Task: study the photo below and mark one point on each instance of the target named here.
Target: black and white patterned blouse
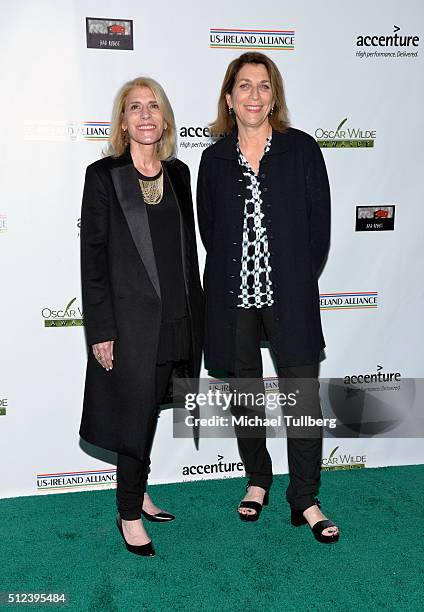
(256, 284)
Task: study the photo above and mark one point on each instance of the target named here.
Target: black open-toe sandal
(253, 505)
(298, 519)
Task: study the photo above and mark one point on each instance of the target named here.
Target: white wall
(52, 84)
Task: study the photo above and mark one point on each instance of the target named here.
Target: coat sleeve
(194, 260)
(99, 318)
(204, 206)
(318, 193)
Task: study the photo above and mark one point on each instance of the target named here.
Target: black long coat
(121, 300)
(296, 204)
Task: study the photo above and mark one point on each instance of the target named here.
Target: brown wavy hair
(225, 122)
(118, 141)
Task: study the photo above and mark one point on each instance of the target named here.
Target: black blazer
(122, 302)
(296, 200)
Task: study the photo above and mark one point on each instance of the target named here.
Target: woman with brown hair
(142, 297)
(264, 216)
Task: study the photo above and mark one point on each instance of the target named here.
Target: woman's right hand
(103, 352)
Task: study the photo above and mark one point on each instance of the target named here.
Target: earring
(231, 111)
(271, 112)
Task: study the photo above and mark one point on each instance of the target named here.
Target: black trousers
(131, 474)
(304, 454)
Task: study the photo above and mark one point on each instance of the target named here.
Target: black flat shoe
(160, 517)
(145, 550)
(253, 505)
(298, 519)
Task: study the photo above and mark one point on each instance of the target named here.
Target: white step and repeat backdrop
(354, 80)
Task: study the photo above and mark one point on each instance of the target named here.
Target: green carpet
(209, 560)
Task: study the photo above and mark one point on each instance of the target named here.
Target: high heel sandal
(253, 505)
(145, 550)
(298, 519)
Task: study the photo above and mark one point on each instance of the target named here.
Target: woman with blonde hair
(264, 216)
(142, 297)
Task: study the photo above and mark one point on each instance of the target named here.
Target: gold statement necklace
(152, 190)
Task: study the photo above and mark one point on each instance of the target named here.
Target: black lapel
(181, 195)
(129, 195)
(176, 181)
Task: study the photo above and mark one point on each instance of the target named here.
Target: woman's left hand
(103, 352)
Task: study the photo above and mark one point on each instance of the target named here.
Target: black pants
(304, 454)
(131, 474)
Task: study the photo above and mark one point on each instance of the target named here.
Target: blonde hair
(118, 141)
(225, 121)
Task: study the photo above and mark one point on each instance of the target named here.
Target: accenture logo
(220, 467)
(194, 131)
(194, 137)
(377, 377)
(391, 42)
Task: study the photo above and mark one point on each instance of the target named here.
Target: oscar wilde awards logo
(66, 131)
(348, 301)
(389, 45)
(229, 38)
(3, 224)
(375, 218)
(3, 405)
(223, 469)
(88, 479)
(342, 461)
(113, 34)
(69, 316)
(348, 137)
